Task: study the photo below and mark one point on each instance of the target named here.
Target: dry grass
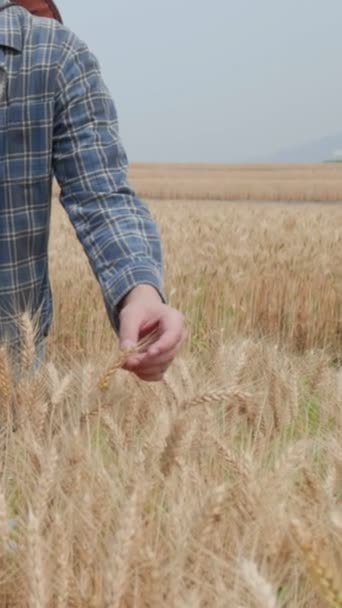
(220, 486)
(320, 182)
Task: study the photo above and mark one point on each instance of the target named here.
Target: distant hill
(326, 148)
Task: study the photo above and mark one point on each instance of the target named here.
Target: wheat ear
(28, 342)
(122, 357)
(318, 569)
(172, 443)
(218, 395)
(5, 376)
(259, 587)
(177, 443)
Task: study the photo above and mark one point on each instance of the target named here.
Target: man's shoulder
(34, 34)
(45, 31)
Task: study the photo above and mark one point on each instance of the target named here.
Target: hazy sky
(218, 80)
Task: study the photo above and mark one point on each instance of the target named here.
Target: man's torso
(30, 52)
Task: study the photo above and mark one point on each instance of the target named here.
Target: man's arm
(114, 226)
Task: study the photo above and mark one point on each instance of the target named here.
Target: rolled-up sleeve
(115, 227)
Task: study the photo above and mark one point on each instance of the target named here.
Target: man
(57, 118)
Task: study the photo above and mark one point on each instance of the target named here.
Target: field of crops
(220, 487)
(283, 182)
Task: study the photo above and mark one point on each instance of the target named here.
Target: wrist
(142, 291)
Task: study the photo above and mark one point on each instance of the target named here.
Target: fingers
(148, 327)
(152, 368)
(145, 362)
(152, 373)
(165, 348)
(139, 319)
(157, 377)
(134, 327)
(129, 328)
(172, 334)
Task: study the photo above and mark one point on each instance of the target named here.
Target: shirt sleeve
(114, 226)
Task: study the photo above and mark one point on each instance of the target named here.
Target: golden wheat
(315, 182)
(186, 493)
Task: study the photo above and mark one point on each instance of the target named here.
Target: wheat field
(283, 182)
(220, 487)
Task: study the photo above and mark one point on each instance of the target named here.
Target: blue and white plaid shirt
(57, 118)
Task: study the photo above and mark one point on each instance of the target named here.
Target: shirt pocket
(29, 131)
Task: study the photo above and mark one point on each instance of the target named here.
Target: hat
(41, 8)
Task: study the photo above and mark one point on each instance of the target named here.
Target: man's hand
(142, 312)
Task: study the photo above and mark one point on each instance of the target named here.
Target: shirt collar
(10, 28)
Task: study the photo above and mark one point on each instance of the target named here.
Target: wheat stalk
(117, 568)
(45, 484)
(4, 528)
(212, 515)
(62, 562)
(37, 574)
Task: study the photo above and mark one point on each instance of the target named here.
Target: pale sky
(218, 80)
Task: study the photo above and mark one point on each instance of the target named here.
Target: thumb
(131, 320)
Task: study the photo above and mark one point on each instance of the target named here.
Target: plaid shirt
(57, 118)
